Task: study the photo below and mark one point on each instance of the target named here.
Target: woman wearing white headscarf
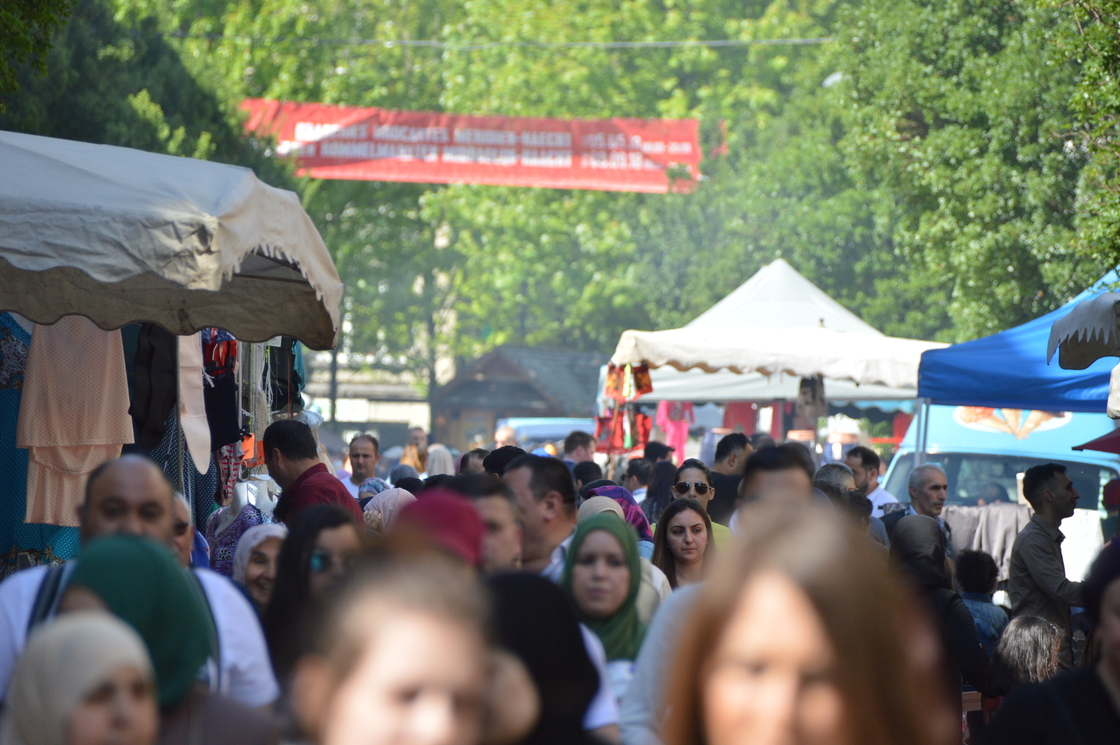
(254, 561)
(440, 462)
(86, 679)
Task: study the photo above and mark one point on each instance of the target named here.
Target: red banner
(367, 144)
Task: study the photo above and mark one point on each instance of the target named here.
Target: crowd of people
(513, 597)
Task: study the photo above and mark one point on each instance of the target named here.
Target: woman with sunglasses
(693, 480)
(322, 542)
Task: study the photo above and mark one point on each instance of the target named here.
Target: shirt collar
(555, 567)
(910, 511)
(317, 468)
(1052, 533)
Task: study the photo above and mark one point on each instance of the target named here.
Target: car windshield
(982, 479)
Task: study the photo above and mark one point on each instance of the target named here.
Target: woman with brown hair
(801, 635)
(682, 544)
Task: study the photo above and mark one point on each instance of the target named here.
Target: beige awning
(121, 235)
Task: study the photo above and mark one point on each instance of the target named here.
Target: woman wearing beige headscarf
(595, 505)
(85, 679)
(381, 512)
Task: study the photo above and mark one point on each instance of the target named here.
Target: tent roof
(120, 235)
(802, 352)
(1009, 369)
(777, 296)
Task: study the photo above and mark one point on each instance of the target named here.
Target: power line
(449, 46)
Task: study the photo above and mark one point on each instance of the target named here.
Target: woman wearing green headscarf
(602, 574)
(142, 583)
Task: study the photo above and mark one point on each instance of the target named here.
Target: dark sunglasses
(322, 562)
(682, 487)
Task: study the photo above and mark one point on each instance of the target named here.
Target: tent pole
(179, 477)
(923, 432)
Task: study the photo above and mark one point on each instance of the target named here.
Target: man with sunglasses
(130, 495)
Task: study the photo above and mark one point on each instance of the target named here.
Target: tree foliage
(25, 31)
(957, 113)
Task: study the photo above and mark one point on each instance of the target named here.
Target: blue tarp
(1009, 369)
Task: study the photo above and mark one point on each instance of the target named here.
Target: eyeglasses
(682, 487)
(322, 562)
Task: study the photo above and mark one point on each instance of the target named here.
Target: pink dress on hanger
(74, 414)
(674, 418)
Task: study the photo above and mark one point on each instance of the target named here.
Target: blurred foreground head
(802, 636)
(783, 474)
(399, 655)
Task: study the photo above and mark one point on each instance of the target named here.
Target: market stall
(186, 257)
(773, 315)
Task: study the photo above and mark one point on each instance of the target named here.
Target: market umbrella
(121, 235)
(1109, 443)
(803, 352)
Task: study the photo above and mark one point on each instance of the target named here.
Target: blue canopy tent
(1009, 369)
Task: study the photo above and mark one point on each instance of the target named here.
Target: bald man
(130, 495)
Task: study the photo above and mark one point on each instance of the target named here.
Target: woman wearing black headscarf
(534, 621)
(918, 548)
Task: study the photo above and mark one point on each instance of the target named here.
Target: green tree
(956, 114)
(1095, 46)
(116, 85)
(25, 32)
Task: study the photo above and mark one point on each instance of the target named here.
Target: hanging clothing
(70, 421)
(23, 543)
(155, 376)
(229, 468)
(192, 401)
(675, 418)
(288, 376)
(223, 543)
(198, 488)
(219, 358)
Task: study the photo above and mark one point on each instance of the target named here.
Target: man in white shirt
(365, 452)
(865, 465)
(131, 495)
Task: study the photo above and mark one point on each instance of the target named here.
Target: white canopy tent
(121, 235)
(777, 297)
(800, 352)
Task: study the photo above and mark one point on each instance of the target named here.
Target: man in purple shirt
(292, 457)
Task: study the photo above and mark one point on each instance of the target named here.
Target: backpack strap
(47, 597)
